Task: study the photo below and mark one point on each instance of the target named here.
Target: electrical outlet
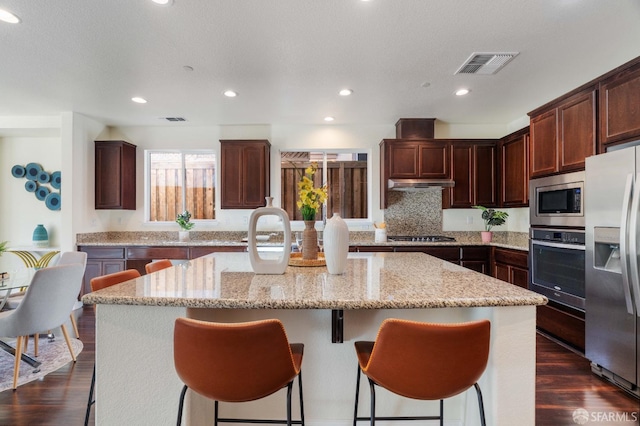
(469, 220)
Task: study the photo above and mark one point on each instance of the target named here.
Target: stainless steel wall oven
(557, 269)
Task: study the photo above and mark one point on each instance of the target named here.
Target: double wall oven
(557, 238)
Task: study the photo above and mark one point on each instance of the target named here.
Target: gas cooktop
(422, 238)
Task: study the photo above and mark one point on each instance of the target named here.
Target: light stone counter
(135, 378)
(372, 281)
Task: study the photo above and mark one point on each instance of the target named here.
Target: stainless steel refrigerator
(612, 300)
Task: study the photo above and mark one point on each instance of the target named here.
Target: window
(345, 174)
(177, 181)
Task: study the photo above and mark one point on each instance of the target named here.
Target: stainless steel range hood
(419, 184)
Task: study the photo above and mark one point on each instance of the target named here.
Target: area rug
(52, 354)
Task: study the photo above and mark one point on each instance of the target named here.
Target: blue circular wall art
(56, 180)
(42, 192)
(18, 171)
(37, 178)
(43, 177)
(53, 201)
(33, 170)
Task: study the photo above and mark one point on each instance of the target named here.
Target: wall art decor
(37, 180)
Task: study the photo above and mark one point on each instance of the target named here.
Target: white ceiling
(289, 58)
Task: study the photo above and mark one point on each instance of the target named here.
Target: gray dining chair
(66, 258)
(47, 303)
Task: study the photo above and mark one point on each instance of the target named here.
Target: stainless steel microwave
(557, 200)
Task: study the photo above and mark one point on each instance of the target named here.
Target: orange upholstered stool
(157, 265)
(424, 361)
(236, 362)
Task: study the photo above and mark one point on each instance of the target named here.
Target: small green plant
(492, 217)
(3, 247)
(183, 220)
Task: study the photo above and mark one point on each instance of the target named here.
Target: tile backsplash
(417, 212)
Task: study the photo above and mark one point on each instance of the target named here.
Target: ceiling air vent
(175, 119)
(486, 63)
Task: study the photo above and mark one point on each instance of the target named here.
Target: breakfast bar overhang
(135, 378)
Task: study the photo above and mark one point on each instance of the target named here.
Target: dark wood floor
(564, 383)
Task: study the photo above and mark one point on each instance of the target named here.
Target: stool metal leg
(301, 399)
(289, 386)
(215, 413)
(182, 394)
(373, 402)
(483, 422)
(355, 410)
(90, 401)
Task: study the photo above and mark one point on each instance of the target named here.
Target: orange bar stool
(157, 265)
(236, 362)
(424, 361)
(98, 283)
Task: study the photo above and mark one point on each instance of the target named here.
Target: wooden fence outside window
(346, 184)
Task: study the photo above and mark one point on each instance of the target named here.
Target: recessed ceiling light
(462, 92)
(346, 92)
(425, 84)
(230, 93)
(139, 100)
(163, 2)
(9, 17)
(328, 119)
(187, 68)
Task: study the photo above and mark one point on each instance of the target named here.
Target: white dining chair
(66, 258)
(47, 303)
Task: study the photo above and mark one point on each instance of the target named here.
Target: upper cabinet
(244, 170)
(474, 171)
(620, 106)
(513, 163)
(563, 134)
(115, 175)
(412, 159)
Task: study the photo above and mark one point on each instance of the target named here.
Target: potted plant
(491, 218)
(183, 219)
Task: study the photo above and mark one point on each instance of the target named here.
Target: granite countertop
(510, 240)
(372, 281)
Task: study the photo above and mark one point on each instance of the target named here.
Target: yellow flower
(310, 198)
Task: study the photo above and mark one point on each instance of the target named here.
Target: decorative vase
(40, 237)
(309, 240)
(336, 245)
(486, 236)
(183, 236)
(268, 266)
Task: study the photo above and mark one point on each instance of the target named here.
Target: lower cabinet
(472, 257)
(101, 261)
(107, 260)
(511, 266)
(563, 323)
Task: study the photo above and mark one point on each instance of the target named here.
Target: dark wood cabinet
(476, 258)
(101, 261)
(473, 168)
(563, 134)
(115, 175)
(577, 131)
(511, 266)
(513, 160)
(412, 159)
(563, 323)
(244, 171)
(471, 257)
(619, 106)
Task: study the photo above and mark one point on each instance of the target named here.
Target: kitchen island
(136, 382)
